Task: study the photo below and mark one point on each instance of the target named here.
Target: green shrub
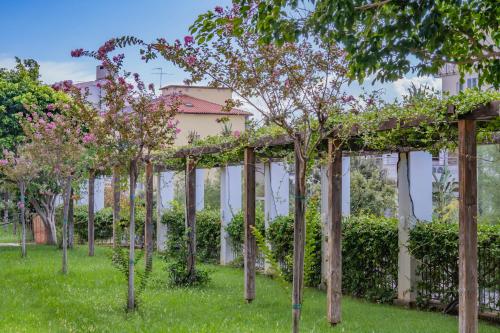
(280, 237)
(207, 232)
(435, 246)
(236, 229)
(370, 257)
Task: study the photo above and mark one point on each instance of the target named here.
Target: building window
(471, 83)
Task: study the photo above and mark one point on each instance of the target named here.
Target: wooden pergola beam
(486, 112)
(250, 244)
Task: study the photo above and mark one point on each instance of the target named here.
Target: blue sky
(48, 30)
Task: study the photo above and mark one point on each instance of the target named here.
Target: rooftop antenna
(159, 71)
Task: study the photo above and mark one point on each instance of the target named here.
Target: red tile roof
(195, 105)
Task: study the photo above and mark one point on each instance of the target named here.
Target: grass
(7, 235)
(35, 297)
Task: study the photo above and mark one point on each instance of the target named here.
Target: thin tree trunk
(22, 189)
(66, 200)
(6, 210)
(116, 203)
(71, 222)
(90, 233)
(191, 217)
(298, 236)
(131, 291)
(148, 227)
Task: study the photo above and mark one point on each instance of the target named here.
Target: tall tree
(133, 125)
(296, 86)
(20, 169)
(380, 35)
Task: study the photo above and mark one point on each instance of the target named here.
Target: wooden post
(148, 226)
(116, 203)
(250, 244)
(334, 227)
(298, 234)
(90, 231)
(191, 215)
(467, 261)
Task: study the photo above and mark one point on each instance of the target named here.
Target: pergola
(467, 163)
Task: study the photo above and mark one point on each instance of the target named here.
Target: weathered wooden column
(414, 204)
(325, 202)
(164, 198)
(334, 252)
(250, 244)
(299, 236)
(230, 202)
(200, 189)
(91, 210)
(191, 215)
(467, 260)
(148, 225)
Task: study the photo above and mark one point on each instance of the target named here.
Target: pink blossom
(51, 107)
(49, 114)
(20, 205)
(151, 87)
(188, 40)
(89, 138)
(77, 53)
(237, 133)
(177, 130)
(4, 162)
(190, 60)
(219, 10)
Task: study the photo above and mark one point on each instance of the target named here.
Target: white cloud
(52, 71)
(401, 86)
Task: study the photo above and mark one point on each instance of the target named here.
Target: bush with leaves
(435, 246)
(120, 260)
(236, 229)
(207, 232)
(370, 257)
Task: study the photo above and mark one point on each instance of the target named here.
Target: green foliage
(280, 236)
(312, 257)
(103, 222)
(488, 179)
(120, 260)
(371, 191)
(21, 88)
(380, 36)
(236, 229)
(208, 235)
(207, 232)
(435, 246)
(370, 257)
(444, 197)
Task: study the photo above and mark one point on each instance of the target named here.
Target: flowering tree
(20, 169)
(57, 148)
(297, 86)
(133, 125)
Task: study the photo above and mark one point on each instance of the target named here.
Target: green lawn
(35, 297)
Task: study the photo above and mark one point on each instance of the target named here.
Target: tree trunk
(116, 204)
(148, 226)
(45, 208)
(71, 222)
(131, 291)
(191, 217)
(298, 235)
(66, 200)
(6, 210)
(90, 231)
(22, 189)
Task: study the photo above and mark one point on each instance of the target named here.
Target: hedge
(435, 246)
(207, 232)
